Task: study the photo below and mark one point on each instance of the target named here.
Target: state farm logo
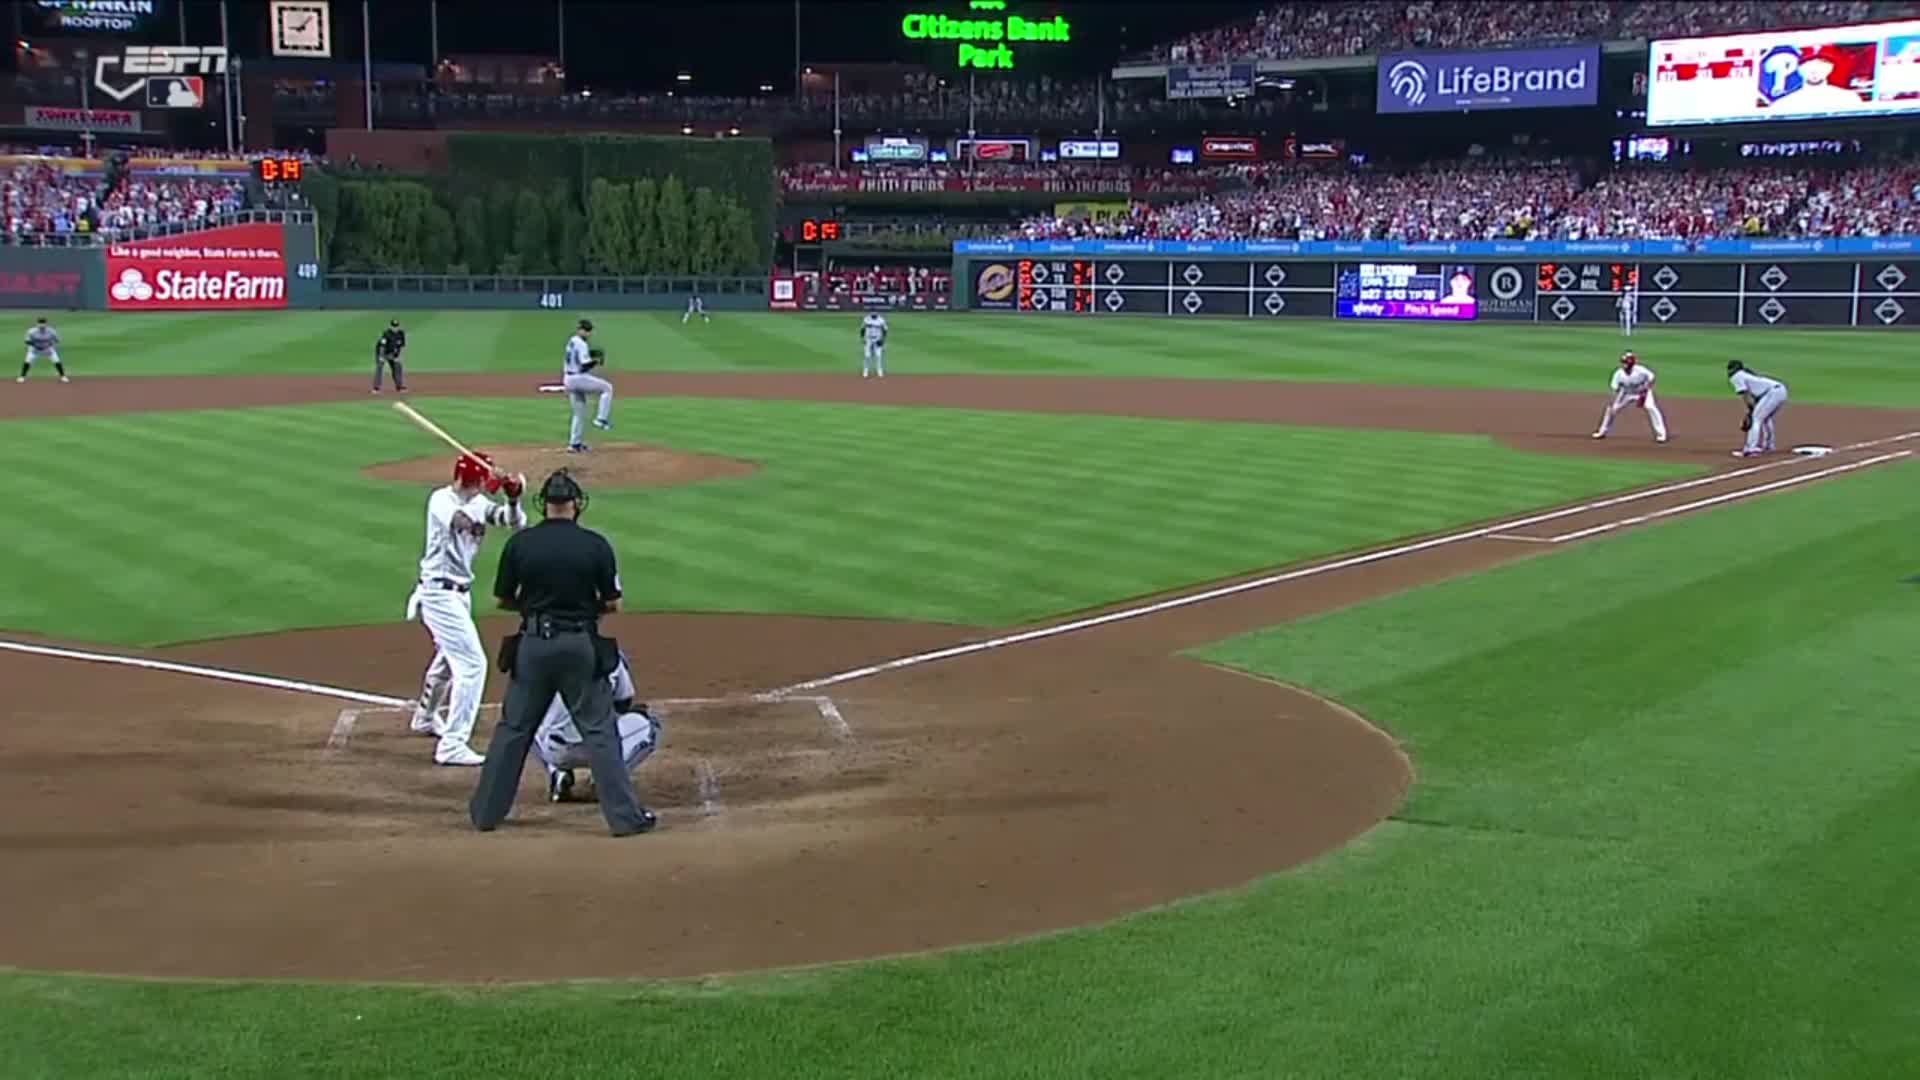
(131, 286)
(201, 285)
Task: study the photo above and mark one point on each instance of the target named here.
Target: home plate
(1813, 451)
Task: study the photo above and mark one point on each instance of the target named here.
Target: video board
(1842, 72)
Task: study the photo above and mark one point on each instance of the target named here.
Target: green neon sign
(986, 42)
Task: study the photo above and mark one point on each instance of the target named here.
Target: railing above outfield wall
(150, 232)
(346, 290)
(1665, 249)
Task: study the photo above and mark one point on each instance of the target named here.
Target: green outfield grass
(1833, 366)
(263, 520)
(1662, 828)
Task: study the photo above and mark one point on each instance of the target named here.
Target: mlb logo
(176, 92)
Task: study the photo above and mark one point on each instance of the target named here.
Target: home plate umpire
(561, 578)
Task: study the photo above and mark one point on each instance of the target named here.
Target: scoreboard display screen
(1054, 285)
(1587, 277)
(1401, 290)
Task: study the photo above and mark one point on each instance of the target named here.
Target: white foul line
(1363, 559)
(1521, 539)
(268, 681)
(1730, 496)
(343, 729)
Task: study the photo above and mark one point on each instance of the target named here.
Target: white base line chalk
(343, 729)
(1363, 559)
(709, 787)
(267, 681)
(1699, 504)
(831, 714)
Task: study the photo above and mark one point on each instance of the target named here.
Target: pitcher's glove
(1746, 422)
(598, 356)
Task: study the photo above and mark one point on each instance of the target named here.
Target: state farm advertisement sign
(231, 267)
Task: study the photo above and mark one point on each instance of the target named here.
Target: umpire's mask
(562, 487)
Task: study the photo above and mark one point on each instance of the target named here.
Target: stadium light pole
(836, 118)
(433, 35)
(796, 50)
(560, 15)
(226, 78)
(366, 60)
(183, 20)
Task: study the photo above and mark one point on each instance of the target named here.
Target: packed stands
(1053, 178)
(47, 197)
(1497, 200)
(1360, 27)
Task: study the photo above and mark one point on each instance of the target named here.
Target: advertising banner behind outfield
(1557, 77)
(49, 278)
(228, 268)
(1190, 81)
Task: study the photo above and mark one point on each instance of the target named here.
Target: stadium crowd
(1505, 200)
(39, 200)
(1357, 27)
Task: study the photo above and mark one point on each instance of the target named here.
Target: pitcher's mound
(606, 465)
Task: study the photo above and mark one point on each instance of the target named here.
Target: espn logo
(169, 73)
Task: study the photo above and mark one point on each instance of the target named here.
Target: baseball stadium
(1343, 539)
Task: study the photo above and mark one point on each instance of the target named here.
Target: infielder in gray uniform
(579, 384)
(562, 749)
(1764, 398)
(43, 343)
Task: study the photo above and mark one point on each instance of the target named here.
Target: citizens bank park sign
(985, 37)
(229, 268)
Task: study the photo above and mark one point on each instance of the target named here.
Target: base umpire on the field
(561, 578)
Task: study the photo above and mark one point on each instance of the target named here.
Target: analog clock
(301, 28)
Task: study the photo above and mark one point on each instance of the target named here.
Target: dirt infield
(171, 825)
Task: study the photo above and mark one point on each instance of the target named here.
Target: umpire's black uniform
(386, 352)
(560, 578)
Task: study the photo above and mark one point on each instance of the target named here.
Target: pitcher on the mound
(457, 520)
(1633, 386)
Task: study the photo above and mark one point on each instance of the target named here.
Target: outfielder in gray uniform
(580, 384)
(561, 748)
(43, 343)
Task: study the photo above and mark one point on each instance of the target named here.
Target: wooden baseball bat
(436, 431)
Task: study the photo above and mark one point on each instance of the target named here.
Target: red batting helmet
(475, 470)
(1627, 359)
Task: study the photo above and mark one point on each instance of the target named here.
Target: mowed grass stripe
(1834, 366)
(946, 515)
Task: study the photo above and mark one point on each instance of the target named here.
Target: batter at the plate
(457, 520)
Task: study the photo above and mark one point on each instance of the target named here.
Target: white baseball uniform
(560, 746)
(696, 305)
(1634, 386)
(580, 385)
(1767, 396)
(873, 338)
(443, 599)
(1629, 305)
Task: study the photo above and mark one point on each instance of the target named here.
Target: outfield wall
(270, 261)
(1678, 291)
